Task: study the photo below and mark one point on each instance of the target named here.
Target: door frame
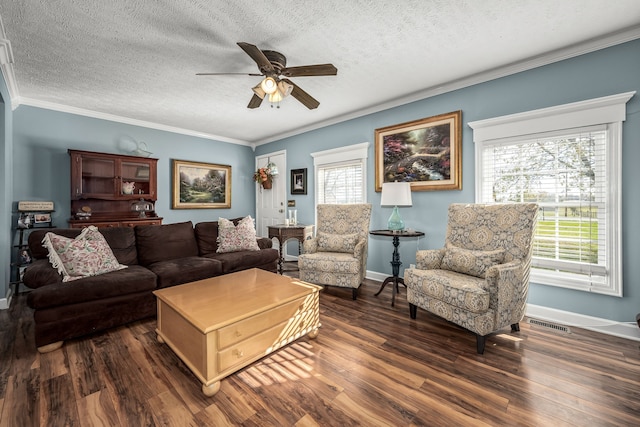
(281, 182)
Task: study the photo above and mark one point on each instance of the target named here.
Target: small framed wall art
(299, 181)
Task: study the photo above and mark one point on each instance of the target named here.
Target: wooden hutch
(105, 187)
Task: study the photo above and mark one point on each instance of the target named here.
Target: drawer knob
(238, 334)
(238, 353)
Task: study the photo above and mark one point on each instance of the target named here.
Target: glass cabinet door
(135, 178)
(98, 176)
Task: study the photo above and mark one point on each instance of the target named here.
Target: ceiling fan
(273, 66)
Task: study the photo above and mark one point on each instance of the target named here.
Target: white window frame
(356, 153)
(609, 111)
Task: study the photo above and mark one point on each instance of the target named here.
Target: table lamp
(396, 194)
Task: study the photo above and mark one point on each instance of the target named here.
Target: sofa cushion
(88, 254)
(234, 238)
(116, 283)
(184, 270)
(456, 289)
(344, 243)
(165, 242)
(122, 241)
(473, 263)
(235, 261)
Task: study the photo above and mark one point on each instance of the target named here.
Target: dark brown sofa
(156, 256)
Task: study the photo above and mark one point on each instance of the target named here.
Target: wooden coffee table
(220, 325)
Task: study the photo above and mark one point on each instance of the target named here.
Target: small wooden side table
(285, 232)
(395, 260)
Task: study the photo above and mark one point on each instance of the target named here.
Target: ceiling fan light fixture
(258, 91)
(275, 96)
(285, 88)
(269, 85)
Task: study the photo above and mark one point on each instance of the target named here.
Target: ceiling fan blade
(255, 101)
(256, 54)
(310, 70)
(228, 74)
(307, 100)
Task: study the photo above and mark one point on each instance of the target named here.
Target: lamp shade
(285, 88)
(269, 85)
(275, 96)
(258, 91)
(396, 194)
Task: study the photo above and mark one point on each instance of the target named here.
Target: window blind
(341, 182)
(565, 173)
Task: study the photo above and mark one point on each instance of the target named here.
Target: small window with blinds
(565, 173)
(341, 183)
(341, 174)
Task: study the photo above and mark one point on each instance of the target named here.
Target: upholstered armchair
(337, 255)
(480, 279)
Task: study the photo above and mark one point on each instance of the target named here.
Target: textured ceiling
(137, 59)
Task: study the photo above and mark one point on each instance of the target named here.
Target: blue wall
(41, 166)
(41, 160)
(606, 72)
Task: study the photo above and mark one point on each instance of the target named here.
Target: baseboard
(373, 275)
(5, 303)
(628, 330)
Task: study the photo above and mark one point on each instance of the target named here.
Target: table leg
(395, 268)
(280, 257)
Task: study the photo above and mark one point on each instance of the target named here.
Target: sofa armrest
(40, 273)
(264, 243)
(429, 259)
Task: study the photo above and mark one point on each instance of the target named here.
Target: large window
(567, 159)
(340, 174)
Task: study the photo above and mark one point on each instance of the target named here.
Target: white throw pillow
(88, 254)
(234, 238)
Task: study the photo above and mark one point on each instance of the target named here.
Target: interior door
(271, 205)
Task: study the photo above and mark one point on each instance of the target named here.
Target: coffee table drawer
(244, 329)
(267, 341)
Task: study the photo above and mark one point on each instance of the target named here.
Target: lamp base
(395, 223)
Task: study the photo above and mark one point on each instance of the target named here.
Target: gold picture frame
(201, 185)
(426, 152)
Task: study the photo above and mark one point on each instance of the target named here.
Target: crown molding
(6, 66)
(558, 55)
(126, 120)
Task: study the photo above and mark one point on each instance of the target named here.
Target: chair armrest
(429, 259)
(310, 246)
(508, 291)
(359, 250)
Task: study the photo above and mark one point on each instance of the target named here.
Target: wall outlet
(412, 266)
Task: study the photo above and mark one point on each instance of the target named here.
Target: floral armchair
(480, 279)
(337, 255)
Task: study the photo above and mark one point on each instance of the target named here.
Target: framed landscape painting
(201, 185)
(426, 153)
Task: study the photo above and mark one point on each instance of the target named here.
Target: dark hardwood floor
(370, 365)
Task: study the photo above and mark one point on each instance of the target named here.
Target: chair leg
(515, 327)
(354, 293)
(413, 310)
(480, 340)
